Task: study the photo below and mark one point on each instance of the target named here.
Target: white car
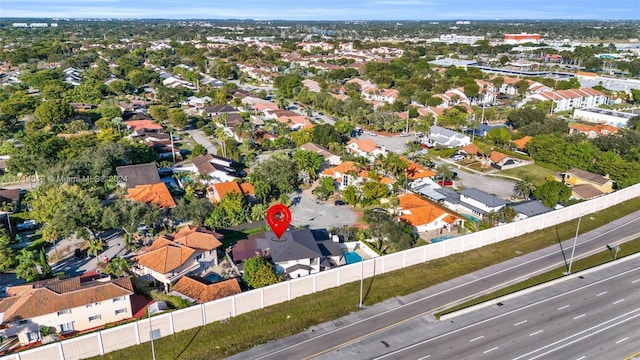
(457, 157)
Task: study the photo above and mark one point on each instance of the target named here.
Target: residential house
(217, 168)
(190, 250)
(521, 144)
(295, 254)
(418, 175)
(424, 215)
(592, 131)
(330, 159)
(530, 208)
(199, 290)
(215, 110)
(439, 136)
(12, 198)
(471, 201)
(349, 173)
(366, 148)
(311, 85)
(584, 184)
(140, 174)
(143, 126)
(503, 161)
(66, 305)
(154, 194)
(197, 102)
(294, 120)
(217, 191)
(569, 99)
(81, 107)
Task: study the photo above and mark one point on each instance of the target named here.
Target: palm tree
(508, 214)
(524, 188)
(444, 172)
(117, 266)
(492, 218)
(94, 246)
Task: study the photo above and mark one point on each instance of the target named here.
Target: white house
(66, 305)
(569, 99)
(217, 168)
(477, 202)
(439, 136)
(424, 215)
(366, 148)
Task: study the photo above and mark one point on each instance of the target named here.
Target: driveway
(200, 137)
(306, 211)
(397, 144)
(114, 246)
(502, 188)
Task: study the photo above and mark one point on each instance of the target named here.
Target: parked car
(339, 203)
(445, 182)
(26, 225)
(457, 157)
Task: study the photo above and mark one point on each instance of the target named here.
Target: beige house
(67, 306)
(190, 250)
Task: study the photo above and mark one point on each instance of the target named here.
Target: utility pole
(173, 149)
(360, 305)
(153, 349)
(575, 240)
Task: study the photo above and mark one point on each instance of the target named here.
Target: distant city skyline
(325, 9)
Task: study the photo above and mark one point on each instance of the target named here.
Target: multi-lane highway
(596, 316)
(336, 337)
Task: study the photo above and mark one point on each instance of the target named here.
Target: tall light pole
(153, 349)
(360, 305)
(575, 240)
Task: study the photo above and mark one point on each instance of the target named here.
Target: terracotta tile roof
(136, 125)
(39, 298)
(366, 145)
(422, 211)
(222, 189)
(341, 169)
(415, 171)
(295, 120)
(471, 149)
(522, 143)
(203, 292)
(386, 181)
(165, 259)
(156, 194)
(496, 156)
(197, 238)
(247, 188)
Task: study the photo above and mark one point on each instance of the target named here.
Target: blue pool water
(469, 217)
(441, 238)
(352, 257)
(213, 277)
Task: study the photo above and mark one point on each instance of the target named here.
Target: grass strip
(218, 340)
(626, 249)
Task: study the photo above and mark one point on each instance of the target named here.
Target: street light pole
(153, 349)
(575, 240)
(361, 306)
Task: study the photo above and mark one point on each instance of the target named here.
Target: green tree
(524, 188)
(259, 273)
(159, 112)
(53, 112)
(373, 191)
(129, 215)
(552, 193)
(118, 267)
(198, 149)
(444, 172)
(7, 256)
(196, 211)
(324, 134)
(350, 195)
(325, 188)
(308, 162)
(27, 267)
(499, 136)
(178, 118)
(94, 247)
(508, 214)
(232, 210)
(43, 261)
(274, 176)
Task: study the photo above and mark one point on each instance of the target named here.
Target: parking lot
(318, 215)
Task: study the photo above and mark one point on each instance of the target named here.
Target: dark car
(339, 203)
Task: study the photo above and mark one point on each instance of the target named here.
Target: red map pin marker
(279, 218)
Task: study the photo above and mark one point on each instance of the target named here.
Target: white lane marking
(520, 323)
(616, 321)
(581, 357)
(602, 293)
(478, 338)
(618, 301)
(536, 333)
(490, 350)
(563, 307)
(579, 316)
(621, 340)
(635, 281)
(426, 357)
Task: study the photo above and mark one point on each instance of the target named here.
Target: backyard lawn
(537, 173)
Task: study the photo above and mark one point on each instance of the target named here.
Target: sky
(325, 9)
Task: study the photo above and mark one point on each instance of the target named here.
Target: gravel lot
(306, 211)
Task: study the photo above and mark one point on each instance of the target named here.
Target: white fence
(101, 342)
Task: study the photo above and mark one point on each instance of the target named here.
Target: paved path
(329, 338)
(200, 137)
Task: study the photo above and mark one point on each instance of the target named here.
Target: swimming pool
(469, 217)
(213, 277)
(441, 238)
(352, 257)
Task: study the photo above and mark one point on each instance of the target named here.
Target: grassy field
(537, 173)
(218, 340)
(628, 248)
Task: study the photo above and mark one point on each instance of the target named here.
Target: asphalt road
(330, 338)
(593, 317)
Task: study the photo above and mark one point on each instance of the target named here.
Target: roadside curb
(516, 294)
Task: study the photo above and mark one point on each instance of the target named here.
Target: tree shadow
(564, 257)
